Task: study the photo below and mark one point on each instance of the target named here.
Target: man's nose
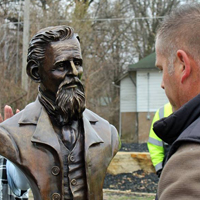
(74, 70)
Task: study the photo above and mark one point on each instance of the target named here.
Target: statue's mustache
(70, 81)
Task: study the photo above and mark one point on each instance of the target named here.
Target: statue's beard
(70, 100)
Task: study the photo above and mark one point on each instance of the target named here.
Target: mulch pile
(138, 181)
(134, 147)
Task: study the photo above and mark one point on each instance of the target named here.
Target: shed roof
(147, 62)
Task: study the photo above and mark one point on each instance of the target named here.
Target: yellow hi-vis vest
(155, 144)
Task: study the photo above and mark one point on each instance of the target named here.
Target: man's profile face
(170, 81)
(62, 58)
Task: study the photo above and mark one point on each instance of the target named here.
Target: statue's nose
(74, 70)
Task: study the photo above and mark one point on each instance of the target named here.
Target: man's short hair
(43, 38)
(180, 30)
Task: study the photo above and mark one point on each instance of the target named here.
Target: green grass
(129, 198)
(114, 196)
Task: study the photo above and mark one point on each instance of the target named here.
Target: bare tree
(112, 33)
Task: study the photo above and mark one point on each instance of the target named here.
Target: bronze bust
(63, 148)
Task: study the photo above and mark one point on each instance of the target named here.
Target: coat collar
(44, 133)
(31, 113)
(170, 128)
(91, 136)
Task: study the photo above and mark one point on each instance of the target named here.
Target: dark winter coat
(180, 179)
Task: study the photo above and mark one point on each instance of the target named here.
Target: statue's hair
(180, 30)
(41, 40)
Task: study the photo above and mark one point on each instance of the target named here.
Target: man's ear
(32, 70)
(185, 62)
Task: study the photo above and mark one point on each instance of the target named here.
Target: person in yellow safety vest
(157, 148)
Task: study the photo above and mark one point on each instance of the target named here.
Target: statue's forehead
(66, 49)
(66, 45)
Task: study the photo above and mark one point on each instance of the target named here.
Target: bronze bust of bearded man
(62, 148)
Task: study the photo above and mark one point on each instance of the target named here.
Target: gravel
(134, 147)
(138, 181)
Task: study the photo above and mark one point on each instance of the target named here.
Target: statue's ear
(32, 69)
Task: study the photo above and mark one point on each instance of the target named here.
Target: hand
(8, 112)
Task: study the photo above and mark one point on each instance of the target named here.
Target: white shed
(140, 96)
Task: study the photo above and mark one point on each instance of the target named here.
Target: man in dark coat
(63, 148)
(177, 55)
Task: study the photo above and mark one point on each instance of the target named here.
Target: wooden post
(24, 77)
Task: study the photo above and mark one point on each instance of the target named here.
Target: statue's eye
(60, 67)
(77, 63)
